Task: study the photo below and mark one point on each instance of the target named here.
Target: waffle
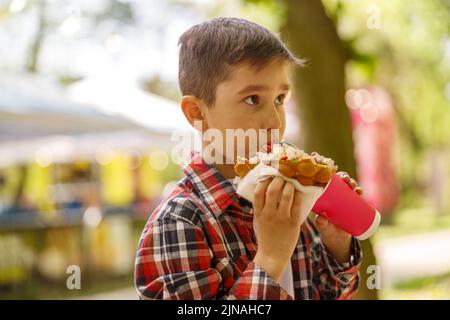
(309, 169)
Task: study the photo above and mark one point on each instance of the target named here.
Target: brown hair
(209, 49)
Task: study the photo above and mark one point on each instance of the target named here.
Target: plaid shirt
(199, 243)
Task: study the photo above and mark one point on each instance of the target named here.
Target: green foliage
(269, 13)
(117, 10)
(409, 55)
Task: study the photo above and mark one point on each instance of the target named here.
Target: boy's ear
(193, 111)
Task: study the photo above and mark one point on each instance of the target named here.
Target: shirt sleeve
(256, 284)
(335, 280)
(173, 262)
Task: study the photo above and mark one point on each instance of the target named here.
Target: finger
(343, 174)
(296, 206)
(260, 195)
(273, 192)
(321, 221)
(287, 196)
(345, 177)
(359, 190)
(353, 183)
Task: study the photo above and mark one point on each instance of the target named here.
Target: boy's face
(251, 99)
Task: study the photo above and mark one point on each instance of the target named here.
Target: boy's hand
(276, 207)
(336, 240)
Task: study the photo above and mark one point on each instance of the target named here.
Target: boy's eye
(280, 99)
(252, 100)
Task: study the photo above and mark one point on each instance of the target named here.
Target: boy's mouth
(267, 147)
(272, 139)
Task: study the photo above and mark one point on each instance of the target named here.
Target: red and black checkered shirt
(199, 243)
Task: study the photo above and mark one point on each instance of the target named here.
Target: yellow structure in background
(117, 180)
(37, 183)
(150, 184)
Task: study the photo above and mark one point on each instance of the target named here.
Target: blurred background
(89, 100)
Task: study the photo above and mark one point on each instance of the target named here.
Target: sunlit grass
(428, 288)
(413, 221)
(409, 221)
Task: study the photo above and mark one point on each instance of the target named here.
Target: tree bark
(319, 91)
(36, 45)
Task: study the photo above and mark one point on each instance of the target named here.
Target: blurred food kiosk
(79, 198)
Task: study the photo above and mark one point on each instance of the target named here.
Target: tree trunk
(36, 45)
(320, 95)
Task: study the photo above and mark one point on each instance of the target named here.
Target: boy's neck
(227, 170)
(224, 168)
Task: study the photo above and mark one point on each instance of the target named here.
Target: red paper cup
(347, 209)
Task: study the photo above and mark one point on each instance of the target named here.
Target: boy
(199, 243)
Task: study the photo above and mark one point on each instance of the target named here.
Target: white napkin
(310, 194)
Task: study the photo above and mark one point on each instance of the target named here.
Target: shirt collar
(214, 189)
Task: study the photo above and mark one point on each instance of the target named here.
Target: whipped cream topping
(281, 150)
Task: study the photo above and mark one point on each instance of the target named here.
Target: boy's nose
(272, 121)
(272, 137)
